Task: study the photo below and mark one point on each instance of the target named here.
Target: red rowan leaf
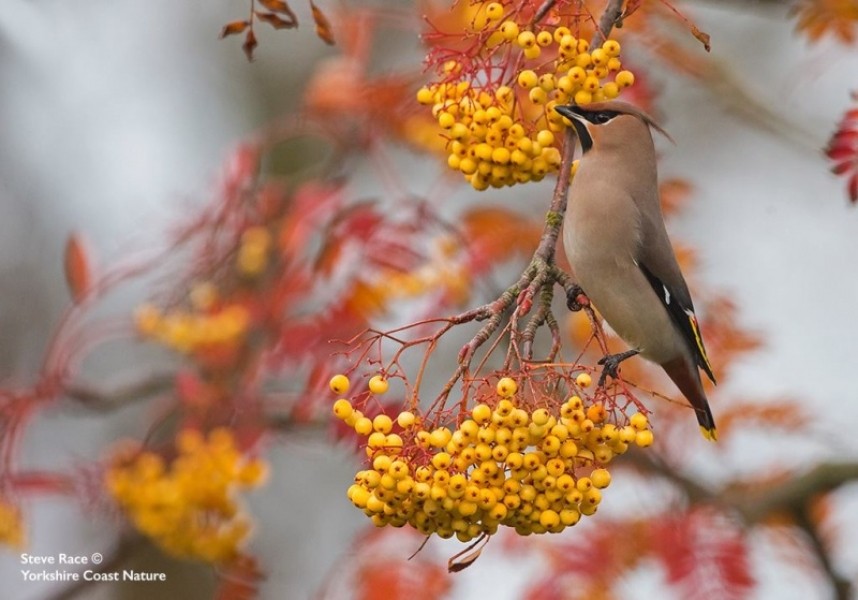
(392, 580)
(495, 234)
(703, 555)
(249, 45)
(323, 26)
(783, 413)
(275, 21)
(841, 168)
(77, 268)
(842, 150)
(240, 580)
(234, 28)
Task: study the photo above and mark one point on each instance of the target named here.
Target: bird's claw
(575, 299)
(611, 362)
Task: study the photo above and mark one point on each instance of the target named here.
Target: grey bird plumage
(618, 247)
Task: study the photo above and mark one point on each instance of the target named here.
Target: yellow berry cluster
(188, 507)
(529, 469)
(11, 525)
(188, 331)
(500, 135)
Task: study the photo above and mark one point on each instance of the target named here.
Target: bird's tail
(687, 379)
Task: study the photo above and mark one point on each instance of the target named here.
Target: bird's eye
(603, 116)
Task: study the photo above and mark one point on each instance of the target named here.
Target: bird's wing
(681, 313)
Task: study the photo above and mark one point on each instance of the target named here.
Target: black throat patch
(583, 135)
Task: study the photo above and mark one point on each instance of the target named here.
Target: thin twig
(97, 399)
(612, 17)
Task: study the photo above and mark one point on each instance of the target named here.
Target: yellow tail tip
(709, 434)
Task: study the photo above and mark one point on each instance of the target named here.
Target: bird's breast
(602, 239)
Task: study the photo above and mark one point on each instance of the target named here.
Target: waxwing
(617, 245)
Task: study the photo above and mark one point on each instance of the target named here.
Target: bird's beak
(570, 111)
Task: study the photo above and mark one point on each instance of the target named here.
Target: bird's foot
(611, 362)
(576, 299)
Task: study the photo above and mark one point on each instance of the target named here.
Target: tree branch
(96, 399)
(612, 17)
(794, 496)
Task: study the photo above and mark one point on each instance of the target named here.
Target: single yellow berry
(625, 79)
(527, 79)
(446, 120)
(501, 155)
(440, 437)
(549, 519)
(599, 57)
(468, 166)
(406, 419)
(547, 82)
(339, 384)
(441, 461)
(533, 52)
(611, 90)
(382, 424)
(544, 38)
(560, 32)
(507, 387)
(494, 11)
(540, 416)
(526, 39)
(343, 409)
(425, 96)
(378, 385)
(601, 478)
(481, 413)
(583, 97)
(591, 84)
(611, 48)
(545, 137)
(363, 426)
(583, 380)
(596, 412)
(538, 96)
(644, 438)
(639, 421)
(509, 30)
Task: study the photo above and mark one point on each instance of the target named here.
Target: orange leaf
(817, 18)
(702, 36)
(497, 234)
(673, 193)
(77, 268)
(249, 45)
(275, 21)
(323, 26)
(277, 6)
(233, 28)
